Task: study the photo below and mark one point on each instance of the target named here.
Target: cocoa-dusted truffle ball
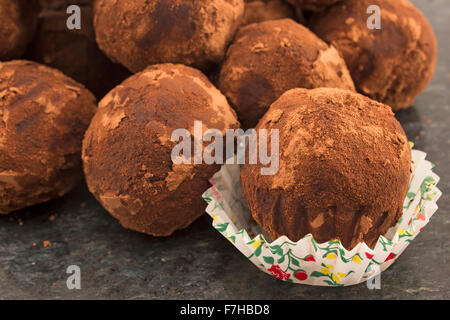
(271, 57)
(313, 5)
(75, 52)
(263, 10)
(343, 173)
(127, 148)
(18, 20)
(139, 33)
(392, 64)
(43, 116)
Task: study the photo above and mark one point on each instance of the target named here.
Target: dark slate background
(198, 263)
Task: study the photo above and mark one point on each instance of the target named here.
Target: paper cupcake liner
(309, 262)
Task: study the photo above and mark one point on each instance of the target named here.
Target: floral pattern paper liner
(309, 262)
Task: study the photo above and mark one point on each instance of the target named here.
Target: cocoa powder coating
(140, 33)
(392, 64)
(75, 52)
(264, 10)
(127, 148)
(344, 168)
(270, 57)
(43, 117)
(18, 21)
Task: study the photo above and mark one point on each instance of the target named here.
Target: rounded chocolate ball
(264, 10)
(313, 5)
(271, 57)
(140, 33)
(127, 148)
(43, 117)
(18, 20)
(344, 168)
(75, 52)
(392, 64)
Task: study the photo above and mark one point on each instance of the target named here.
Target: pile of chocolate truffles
(328, 82)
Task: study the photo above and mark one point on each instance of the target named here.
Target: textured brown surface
(270, 57)
(75, 52)
(313, 5)
(43, 116)
(139, 33)
(392, 65)
(344, 168)
(263, 10)
(18, 20)
(127, 148)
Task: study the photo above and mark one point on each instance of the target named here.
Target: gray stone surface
(199, 263)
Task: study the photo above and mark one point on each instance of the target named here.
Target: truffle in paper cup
(309, 262)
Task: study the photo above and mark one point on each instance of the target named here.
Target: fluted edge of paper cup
(309, 262)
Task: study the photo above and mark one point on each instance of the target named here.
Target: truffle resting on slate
(75, 52)
(344, 168)
(313, 5)
(140, 33)
(127, 148)
(392, 64)
(43, 117)
(271, 57)
(263, 10)
(18, 21)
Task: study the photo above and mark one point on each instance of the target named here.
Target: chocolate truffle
(313, 5)
(18, 20)
(139, 33)
(271, 57)
(263, 10)
(127, 148)
(75, 52)
(343, 173)
(392, 64)
(43, 116)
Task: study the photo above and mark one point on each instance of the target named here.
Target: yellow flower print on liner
(331, 256)
(356, 259)
(256, 244)
(325, 271)
(336, 278)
